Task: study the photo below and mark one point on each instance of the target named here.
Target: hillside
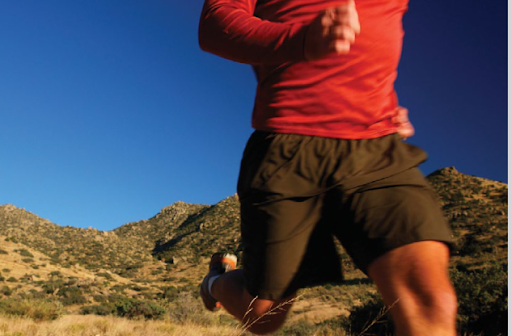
(160, 257)
(477, 210)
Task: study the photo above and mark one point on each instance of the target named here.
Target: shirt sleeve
(229, 29)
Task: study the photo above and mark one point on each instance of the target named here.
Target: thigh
(286, 247)
(285, 241)
(390, 213)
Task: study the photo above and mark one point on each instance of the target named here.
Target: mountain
(169, 252)
(477, 210)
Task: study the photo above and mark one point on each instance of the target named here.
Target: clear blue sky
(109, 111)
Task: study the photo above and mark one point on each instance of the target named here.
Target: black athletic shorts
(299, 192)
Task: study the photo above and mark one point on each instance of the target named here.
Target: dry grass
(80, 325)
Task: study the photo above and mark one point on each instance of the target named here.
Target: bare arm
(228, 28)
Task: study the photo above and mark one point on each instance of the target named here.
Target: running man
(327, 159)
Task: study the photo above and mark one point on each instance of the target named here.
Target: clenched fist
(333, 31)
(401, 120)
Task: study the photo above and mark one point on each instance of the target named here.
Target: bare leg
(230, 291)
(417, 276)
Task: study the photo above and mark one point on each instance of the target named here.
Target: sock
(210, 284)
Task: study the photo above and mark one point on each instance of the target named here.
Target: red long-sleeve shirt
(349, 96)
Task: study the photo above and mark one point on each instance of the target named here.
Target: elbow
(204, 39)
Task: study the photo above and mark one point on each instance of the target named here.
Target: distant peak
(446, 171)
(231, 198)
(9, 207)
(178, 204)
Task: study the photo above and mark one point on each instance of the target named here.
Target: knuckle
(345, 33)
(342, 47)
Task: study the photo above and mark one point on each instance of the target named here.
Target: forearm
(228, 28)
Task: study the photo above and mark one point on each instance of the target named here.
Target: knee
(434, 302)
(440, 304)
(265, 318)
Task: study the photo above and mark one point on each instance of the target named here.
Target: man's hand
(401, 120)
(333, 31)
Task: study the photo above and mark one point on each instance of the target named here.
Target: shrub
(105, 275)
(470, 246)
(3, 251)
(51, 286)
(136, 288)
(71, 295)
(118, 288)
(25, 253)
(132, 308)
(157, 271)
(12, 279)
(99, 298)
(5, 290)
(170, 293)
(34, 294)
(40, 310)
(103, 309)
(483, 299)
(188, 309)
